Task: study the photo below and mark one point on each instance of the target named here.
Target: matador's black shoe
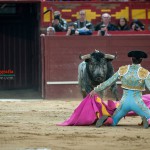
(101, 121)
(146, 123)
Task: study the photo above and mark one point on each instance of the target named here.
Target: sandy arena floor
(30, 125)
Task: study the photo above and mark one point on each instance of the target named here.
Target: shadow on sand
(24, 94)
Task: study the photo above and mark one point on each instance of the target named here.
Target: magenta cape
(92, 108)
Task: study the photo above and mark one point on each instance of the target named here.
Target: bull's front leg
(88, 87)
(83, 93)
(85, 88)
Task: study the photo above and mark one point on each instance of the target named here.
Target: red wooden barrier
(61, 59)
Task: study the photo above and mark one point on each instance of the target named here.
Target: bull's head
(97, 65)
(107, 56)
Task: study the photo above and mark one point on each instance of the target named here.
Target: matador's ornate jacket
(134, 79)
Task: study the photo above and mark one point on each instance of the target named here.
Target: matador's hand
(92, 93)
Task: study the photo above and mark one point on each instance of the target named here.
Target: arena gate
(19, 48)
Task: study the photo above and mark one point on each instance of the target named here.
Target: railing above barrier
(110, 33)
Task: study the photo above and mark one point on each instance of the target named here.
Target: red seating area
(134, 9)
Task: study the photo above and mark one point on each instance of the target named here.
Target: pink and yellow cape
(92, 108)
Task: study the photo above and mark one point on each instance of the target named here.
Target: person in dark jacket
(123, 24)
(59, 23)
(106, 21)
(82, 26)
(137, 25)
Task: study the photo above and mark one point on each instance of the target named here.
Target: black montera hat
(137, 54)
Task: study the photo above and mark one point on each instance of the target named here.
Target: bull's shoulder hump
(123, 70)
(143, 73)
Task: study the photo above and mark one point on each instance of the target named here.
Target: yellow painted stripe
(66, 10)
(68, 20)
(122, 13)
(105, 10)
(89, 15)
(46, 17)
(148, 13)
(139, 14)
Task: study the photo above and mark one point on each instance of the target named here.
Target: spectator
(123, 24)
(103, 31)
(59, 23)
(71, 29)
(82, 26)
(50, 31)
(137, 25)
(106, 21)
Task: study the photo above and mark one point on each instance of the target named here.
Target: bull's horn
(109, 56)
(85, 56)
(96, 50)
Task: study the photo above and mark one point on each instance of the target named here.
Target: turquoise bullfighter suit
(134, 78)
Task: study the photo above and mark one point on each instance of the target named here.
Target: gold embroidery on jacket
(143, 73)
(133, 87)
(123, 70)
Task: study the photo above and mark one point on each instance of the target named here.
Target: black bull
(95, 69)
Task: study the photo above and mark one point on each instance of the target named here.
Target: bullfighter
(134, 78)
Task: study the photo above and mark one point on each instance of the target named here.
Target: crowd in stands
(84, 27)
